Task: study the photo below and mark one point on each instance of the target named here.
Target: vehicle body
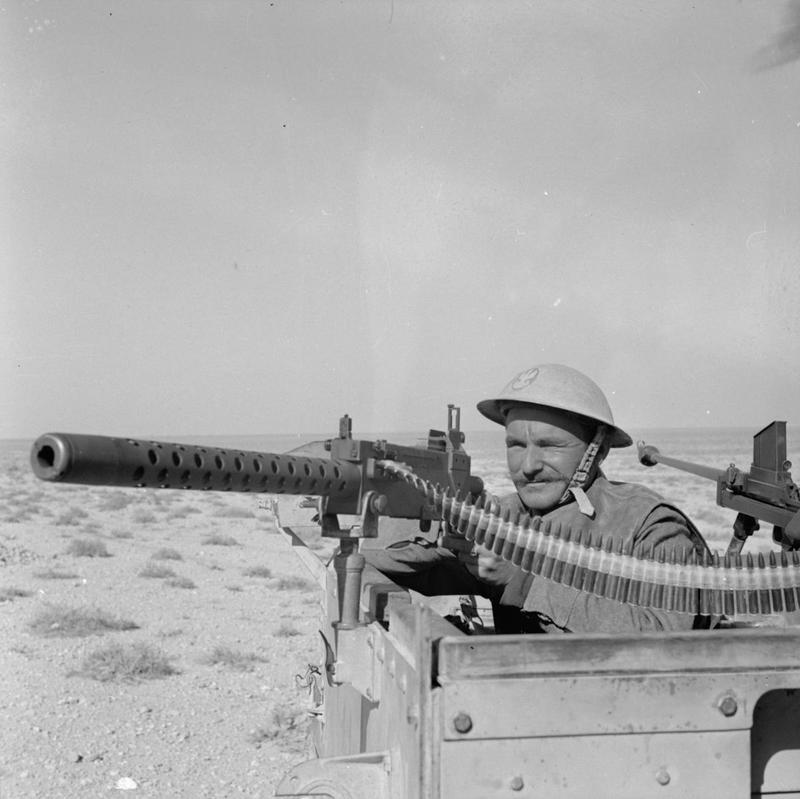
(405, 705)
(415, 708)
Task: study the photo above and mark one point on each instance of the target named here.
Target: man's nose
(532, 462)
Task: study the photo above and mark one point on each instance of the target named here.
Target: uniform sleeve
(565, 609)
(424, 567)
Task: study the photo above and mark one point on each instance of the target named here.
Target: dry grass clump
(257, 571)
(71, 516)
(143, 516)
(232, 513)
(232, 659)
(116, 500)
(182, 511)
(17, 515)
(55, 574)
(93, 528)
(67, 622)
(180, 582)
(156, 571)
(218, 540)
(286, 723)
(85, 548)
(294, 583)
(122, 534)
(234, 588)
(286, 631)
(11, 593)
(119, 663)
(166, 553)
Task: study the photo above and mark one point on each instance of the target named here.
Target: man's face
(543, 447)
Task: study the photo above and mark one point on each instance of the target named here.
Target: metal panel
(619, 766)
(538, 706)
(745, 649)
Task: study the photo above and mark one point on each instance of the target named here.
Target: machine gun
(765, 493)
(350, 481)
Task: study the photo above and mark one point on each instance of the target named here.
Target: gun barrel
(127, 463)
(650, 456)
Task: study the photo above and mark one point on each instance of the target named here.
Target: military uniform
(625, 513)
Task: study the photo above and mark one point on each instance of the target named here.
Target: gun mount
(765, 493)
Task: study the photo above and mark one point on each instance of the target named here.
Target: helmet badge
(523, 379)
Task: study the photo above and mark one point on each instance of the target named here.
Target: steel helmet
(556, 386)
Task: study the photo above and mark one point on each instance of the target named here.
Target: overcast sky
(251, 217)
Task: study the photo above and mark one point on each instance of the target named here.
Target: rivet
(662, 776)
(728, 706)
(462, 722)
(516, 783)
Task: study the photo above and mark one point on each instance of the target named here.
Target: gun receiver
(766, 493)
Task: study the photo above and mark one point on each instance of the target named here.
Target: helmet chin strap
(585, 472)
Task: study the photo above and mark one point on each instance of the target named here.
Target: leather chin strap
(585, 473)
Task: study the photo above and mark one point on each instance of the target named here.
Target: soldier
(559, 428)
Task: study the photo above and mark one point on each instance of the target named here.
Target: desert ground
(151, 642)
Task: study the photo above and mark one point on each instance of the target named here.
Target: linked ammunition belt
(682, 581)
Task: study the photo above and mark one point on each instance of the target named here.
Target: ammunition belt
(685, 581)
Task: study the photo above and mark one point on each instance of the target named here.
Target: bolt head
(662, 776)
(516, 783)
(728, 706)
(462, 722)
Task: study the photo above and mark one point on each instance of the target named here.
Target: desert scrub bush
(287, 723)
(56, 620)
(17, 515)
(122, 534)
(143, 516)
(84, 548)
(286, 631)
(11, 593)
(234, 588)
(70, 516)
(257, 571)
(232, 513)
(156, 571)
(125, 664)
(218, 540)
(90, 527)
(166, 553)
(55, 574)
(233, 659)
(116, 500)
(294, 583)
(180, 582)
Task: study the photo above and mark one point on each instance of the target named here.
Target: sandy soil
(229, 723)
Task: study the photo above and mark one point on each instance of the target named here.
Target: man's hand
(492, 569)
